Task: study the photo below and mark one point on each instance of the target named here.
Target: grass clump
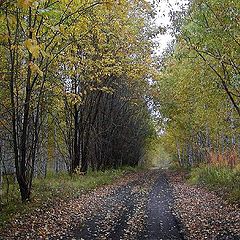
(222, 179)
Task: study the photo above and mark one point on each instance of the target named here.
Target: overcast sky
(163, 9)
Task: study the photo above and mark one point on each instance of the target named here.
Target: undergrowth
(55, 186)
(223, 179)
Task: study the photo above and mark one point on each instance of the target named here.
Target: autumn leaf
(35, 69)
(32, 47)
(25, 3)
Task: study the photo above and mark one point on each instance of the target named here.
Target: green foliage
(197, 91)
(54, 185)
(219, 178)
(66, 66)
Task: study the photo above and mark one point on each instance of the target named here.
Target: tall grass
(220, 178)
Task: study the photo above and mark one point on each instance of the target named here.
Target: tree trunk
(24, 190)
(76, 146)
(179, 155)
(1, 170)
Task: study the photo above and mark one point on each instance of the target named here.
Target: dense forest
(199, 85)
(82, 88)
(198, 88)
(74, 86)
(197, 95)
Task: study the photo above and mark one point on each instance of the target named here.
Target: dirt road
(137, 206)
(139, 210)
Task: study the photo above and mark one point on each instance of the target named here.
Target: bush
(218, 178)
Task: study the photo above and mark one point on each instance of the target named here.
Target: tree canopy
(74, 85)
(198, 88)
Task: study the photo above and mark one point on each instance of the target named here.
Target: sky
(163, 19)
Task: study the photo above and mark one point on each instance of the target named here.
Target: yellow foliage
(35, 69)
(32, 47)
(25, 3)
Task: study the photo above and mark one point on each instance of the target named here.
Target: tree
(73, 54)
(197, 91)
(34, 39)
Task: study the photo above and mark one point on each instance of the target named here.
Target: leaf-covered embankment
(203, 213)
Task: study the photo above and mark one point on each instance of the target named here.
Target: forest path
(139, 210)
(136, 206)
